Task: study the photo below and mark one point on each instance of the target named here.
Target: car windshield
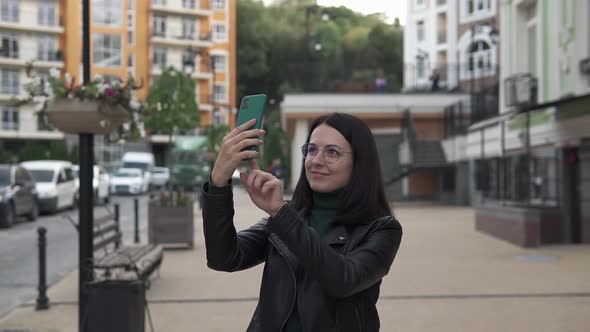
(141, 166)
(42, 175)
(126, 174)
(4, 176)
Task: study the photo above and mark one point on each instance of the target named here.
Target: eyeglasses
(330, 153)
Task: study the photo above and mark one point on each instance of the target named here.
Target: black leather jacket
(339, 287)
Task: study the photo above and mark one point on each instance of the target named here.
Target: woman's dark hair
(363, 198)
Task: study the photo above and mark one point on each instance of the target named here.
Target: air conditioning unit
(509, 92)
(520, 90)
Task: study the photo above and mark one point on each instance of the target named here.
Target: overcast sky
(391, 8)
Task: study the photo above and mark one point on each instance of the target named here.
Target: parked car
(160, 176)
(101, 183)
(18, 195)
(55, 182)
(129, 181)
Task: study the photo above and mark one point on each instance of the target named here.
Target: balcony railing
(451, 77)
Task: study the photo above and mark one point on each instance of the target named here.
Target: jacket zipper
(358, 318)
(294, 285)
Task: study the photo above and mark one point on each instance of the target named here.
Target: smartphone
(252, 107)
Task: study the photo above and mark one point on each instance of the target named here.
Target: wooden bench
(112, 260)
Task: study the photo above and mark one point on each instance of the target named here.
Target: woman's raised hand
(231, 154)
(264, 189)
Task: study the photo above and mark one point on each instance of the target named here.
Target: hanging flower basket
(74, 116)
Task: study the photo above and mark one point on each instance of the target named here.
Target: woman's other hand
(264, 189)
(231, 154)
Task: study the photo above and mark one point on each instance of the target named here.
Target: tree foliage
(171, 103)
(276, 56)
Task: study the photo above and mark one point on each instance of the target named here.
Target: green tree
(171, 104)
(215, 134)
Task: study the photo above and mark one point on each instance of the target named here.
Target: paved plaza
(446, 277)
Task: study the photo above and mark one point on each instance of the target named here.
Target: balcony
(167, 9)
(31, 27)
(53, 60)
(204, 40)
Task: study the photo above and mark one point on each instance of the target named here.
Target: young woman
(325, 251)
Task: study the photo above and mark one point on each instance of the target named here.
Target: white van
(144, 161)
(56, 184)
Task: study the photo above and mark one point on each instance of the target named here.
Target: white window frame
(189, 28)
(478, 14)
(13, 50)
(159, 57)
(107, 52)
(219, 36)
(46, 13)
(218, 4)
(220, 62)
(131, 22)
(420, 31)
(189, 4)
(47, 48)
(10, 118)
(10, 82)
(10, 11)
(159, 25)
(107, 12)
(219, 93)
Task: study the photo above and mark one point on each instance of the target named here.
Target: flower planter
(171, 224)
(73, 116)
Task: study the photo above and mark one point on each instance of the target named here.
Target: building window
(219, 94)
(188, 4)
(107, 12)
(10, 11)
(10, 45)
(47, 48)
(420, 64)
(479, 60)
(219, 33)
(159, 57)
(420, 31)
(107, 50)
(131, 64)
(9, 118)
(219, 62)
(188, 28)
(218, 4)
(131, 22)
(159, 2)
(475, 9)
(46, 13)
(10, 82)
(159, 25)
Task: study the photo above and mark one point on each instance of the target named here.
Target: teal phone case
(252, 107)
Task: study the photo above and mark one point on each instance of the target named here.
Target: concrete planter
(73, 116)
(172, 225)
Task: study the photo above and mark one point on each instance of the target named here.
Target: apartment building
(32, 32)
(452, 42)
(128, 38)
(199, 36)
(532, 162)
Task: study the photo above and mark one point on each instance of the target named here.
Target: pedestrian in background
(325, 251)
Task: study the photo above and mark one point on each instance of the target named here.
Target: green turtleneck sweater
(323, 211)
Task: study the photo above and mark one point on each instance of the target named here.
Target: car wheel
(32, 216)
(8, 219)
(75, 201)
